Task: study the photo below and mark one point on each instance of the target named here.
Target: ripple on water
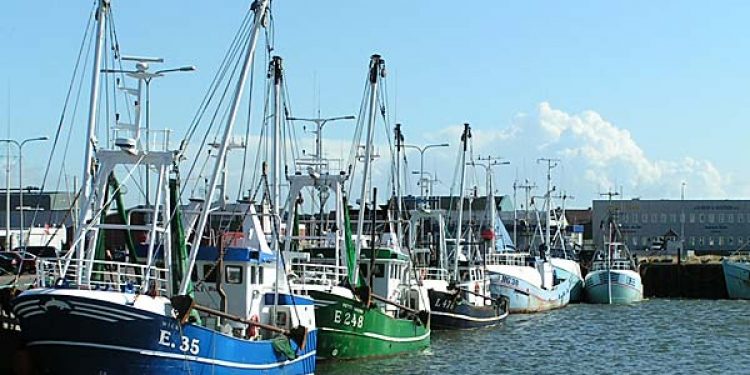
(660, 335)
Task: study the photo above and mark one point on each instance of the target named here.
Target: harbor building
(699, 226)
(45, 215)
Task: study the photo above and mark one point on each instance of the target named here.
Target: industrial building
(700, 226)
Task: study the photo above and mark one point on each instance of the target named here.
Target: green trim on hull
(349, 330)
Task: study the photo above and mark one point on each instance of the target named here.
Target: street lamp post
(143, 76)
(20, 145)
(422, 150)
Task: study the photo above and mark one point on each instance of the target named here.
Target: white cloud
(596, 156)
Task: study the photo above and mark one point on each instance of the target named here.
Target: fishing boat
(459, 294)
(563, 258)
(737, 277)
(529, 281)
(452, 306)
(379, 311)
(220, 309)
(613, 277)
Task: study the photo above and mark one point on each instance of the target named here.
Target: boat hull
(626, 287)
(448, 312)
(737, 277)
(570, 270)
(525, 297)
(350, 330)
(67, 334)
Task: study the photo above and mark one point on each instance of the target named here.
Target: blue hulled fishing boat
(737, 278)
(613, 277)
(223, 307)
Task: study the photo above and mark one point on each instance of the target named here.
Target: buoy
(488, 234)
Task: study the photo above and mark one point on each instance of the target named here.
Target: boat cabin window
(378, 270)
(210, 272)
(233, 274)
(256, 275)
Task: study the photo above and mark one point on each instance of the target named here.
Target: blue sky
(667, 79)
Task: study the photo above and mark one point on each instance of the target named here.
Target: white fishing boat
(530, 281)
(613, 277)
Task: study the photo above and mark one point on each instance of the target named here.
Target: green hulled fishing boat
(379, 309)
(349, 329)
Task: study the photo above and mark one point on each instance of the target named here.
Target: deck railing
(430, 273)
(614, 265)
(317, 274)
(105, 275)
(508, 259)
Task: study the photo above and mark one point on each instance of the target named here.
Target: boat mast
(260, 10)
(551, 163)
(377, 68)
(464, 141)
(399, 148)
(276, 157)
(515, 216)
(88, 160)
(276, 178)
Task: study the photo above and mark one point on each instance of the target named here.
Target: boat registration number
(509, 280)
(348, 318)
(186, 344)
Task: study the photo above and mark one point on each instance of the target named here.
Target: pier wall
(695, 281)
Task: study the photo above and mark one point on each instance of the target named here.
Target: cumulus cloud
(596, 156)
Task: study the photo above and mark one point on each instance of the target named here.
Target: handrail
(600, 265)
(105, 275)
(509, 259)
(317, 273)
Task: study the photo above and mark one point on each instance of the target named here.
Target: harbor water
(658, 335)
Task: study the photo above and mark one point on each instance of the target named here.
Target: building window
(635, 218)
(701, 218)
(644, 218)
(682, 218)
(673, 218)
(730, 241)
(692, 218)
(700, 241)
(663, 218)
(711, 218)
(654, 218)
(730, 218)
(644, 241)
(692, 241)
(635, 241)
(625, 218)
(740, 218)
(721, 218)
(721, 241)
(710, 241)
